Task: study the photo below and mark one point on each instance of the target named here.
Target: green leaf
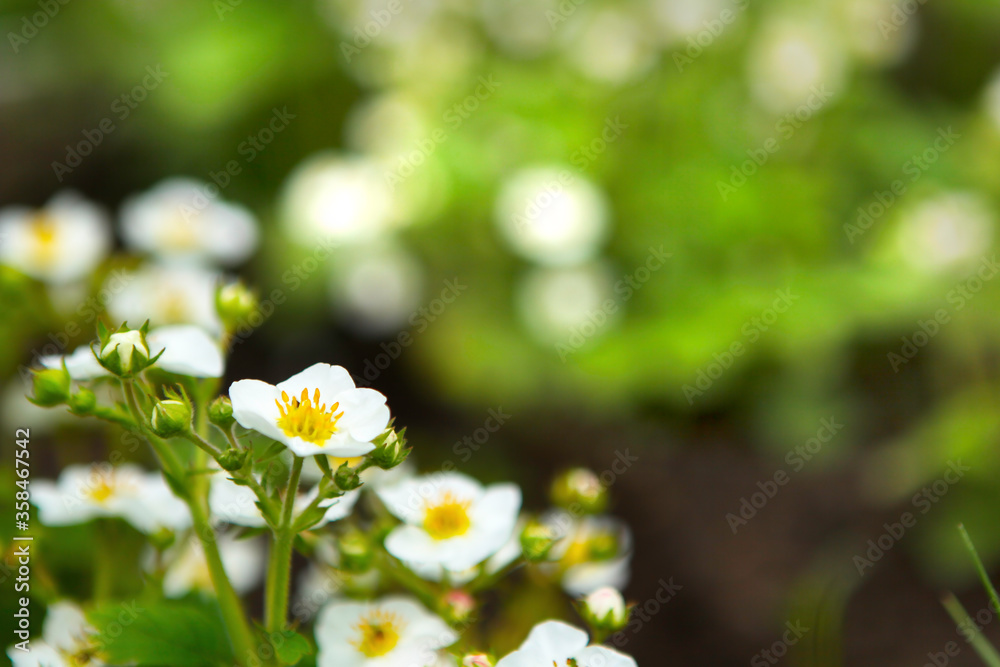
(162, 634)
(291, 647)
(274, 449)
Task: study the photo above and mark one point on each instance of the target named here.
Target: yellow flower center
(308, 419)
(44, 237)
(179, 234)
(101, 487)
(448, 517)
(337, 461)
(377, 633)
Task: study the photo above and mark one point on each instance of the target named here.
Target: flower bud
(234, 303)
(390, 449)
(170, 417)
(537, 540)
(459, 606)
(125, 352)
(232, 459)
(356, 554)
(346, 477)
(477, 660)
(605, 610)
(580, 491)
(220, 412)
(51, 387)
(82, 402)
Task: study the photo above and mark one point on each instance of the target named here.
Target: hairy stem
(280, 565)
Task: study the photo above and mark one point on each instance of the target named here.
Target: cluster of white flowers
(443, 537)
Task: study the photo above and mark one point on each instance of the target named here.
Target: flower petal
(187, 350)
(254, 407)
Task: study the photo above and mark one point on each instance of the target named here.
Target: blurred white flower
(795, 62)
(180, 220)
(385, 125)
(60, 243)
(67, 641)
(524, 28)
(316, 411)
(338, 199)
(236, 504)
(377, 288)
(948, 230)
(558, 304)
(677, 19)
(85, 492)
(591, 552)
(874, 34)
(556, 643)
(611, 45)
(991, 99)
(450, 520)
(394, 631)
(552, 216)
(242, 559)
(187, 350)
(167, 295)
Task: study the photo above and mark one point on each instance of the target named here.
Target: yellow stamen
(378, 633)
(44, 237)
(447, 518)
(306, 418)
(179, 234)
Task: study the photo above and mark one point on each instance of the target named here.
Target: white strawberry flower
(242, 559)
(166, 294)
(66, 641)
(187, 350)
(85, 492)
(317, 411)
(391, 632)
(450, 520)
(591, 552)
(176, 220)
(556, 643)
(236, 504)
(60, 243)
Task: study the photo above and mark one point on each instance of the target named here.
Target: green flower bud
(356, 553)
(125, 352)
(604, 610)
(51, 387)
(459, 606)
(171, 417)
(537, 540)
(82, 402)
(233, 459)
(346, 477)
(390, 449)
(234, 303)
(220, 412)
(580, 491)
(477, 660)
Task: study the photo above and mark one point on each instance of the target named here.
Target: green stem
(240, 634)
(980, 568)
(982, 646)
(237, 625)
(280, 565)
